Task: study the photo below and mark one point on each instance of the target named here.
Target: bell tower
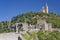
(46, 8)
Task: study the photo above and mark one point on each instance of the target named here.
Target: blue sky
(10, 8)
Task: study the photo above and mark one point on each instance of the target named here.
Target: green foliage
(25, 17)
(26, 36)
(30, 36)
(32, 17)
(54, 19)
(42, 35)
(6, 30)
(0, 25)
(48, 35)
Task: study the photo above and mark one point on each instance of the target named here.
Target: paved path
(8, 36)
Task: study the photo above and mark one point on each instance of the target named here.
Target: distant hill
(32, 17)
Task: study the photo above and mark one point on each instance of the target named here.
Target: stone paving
(8, 36)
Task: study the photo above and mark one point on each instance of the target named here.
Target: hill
(32, 17)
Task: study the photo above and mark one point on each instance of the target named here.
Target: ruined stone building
(40, 25)
(43, 25)
(24, 26)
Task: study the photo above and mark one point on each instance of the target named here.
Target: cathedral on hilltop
(45, 9)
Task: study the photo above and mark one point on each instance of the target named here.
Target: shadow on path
(19, 38)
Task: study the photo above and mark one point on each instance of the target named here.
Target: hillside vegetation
(42, 35)
(32, 17)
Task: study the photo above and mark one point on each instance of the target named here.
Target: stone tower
(45, 9)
